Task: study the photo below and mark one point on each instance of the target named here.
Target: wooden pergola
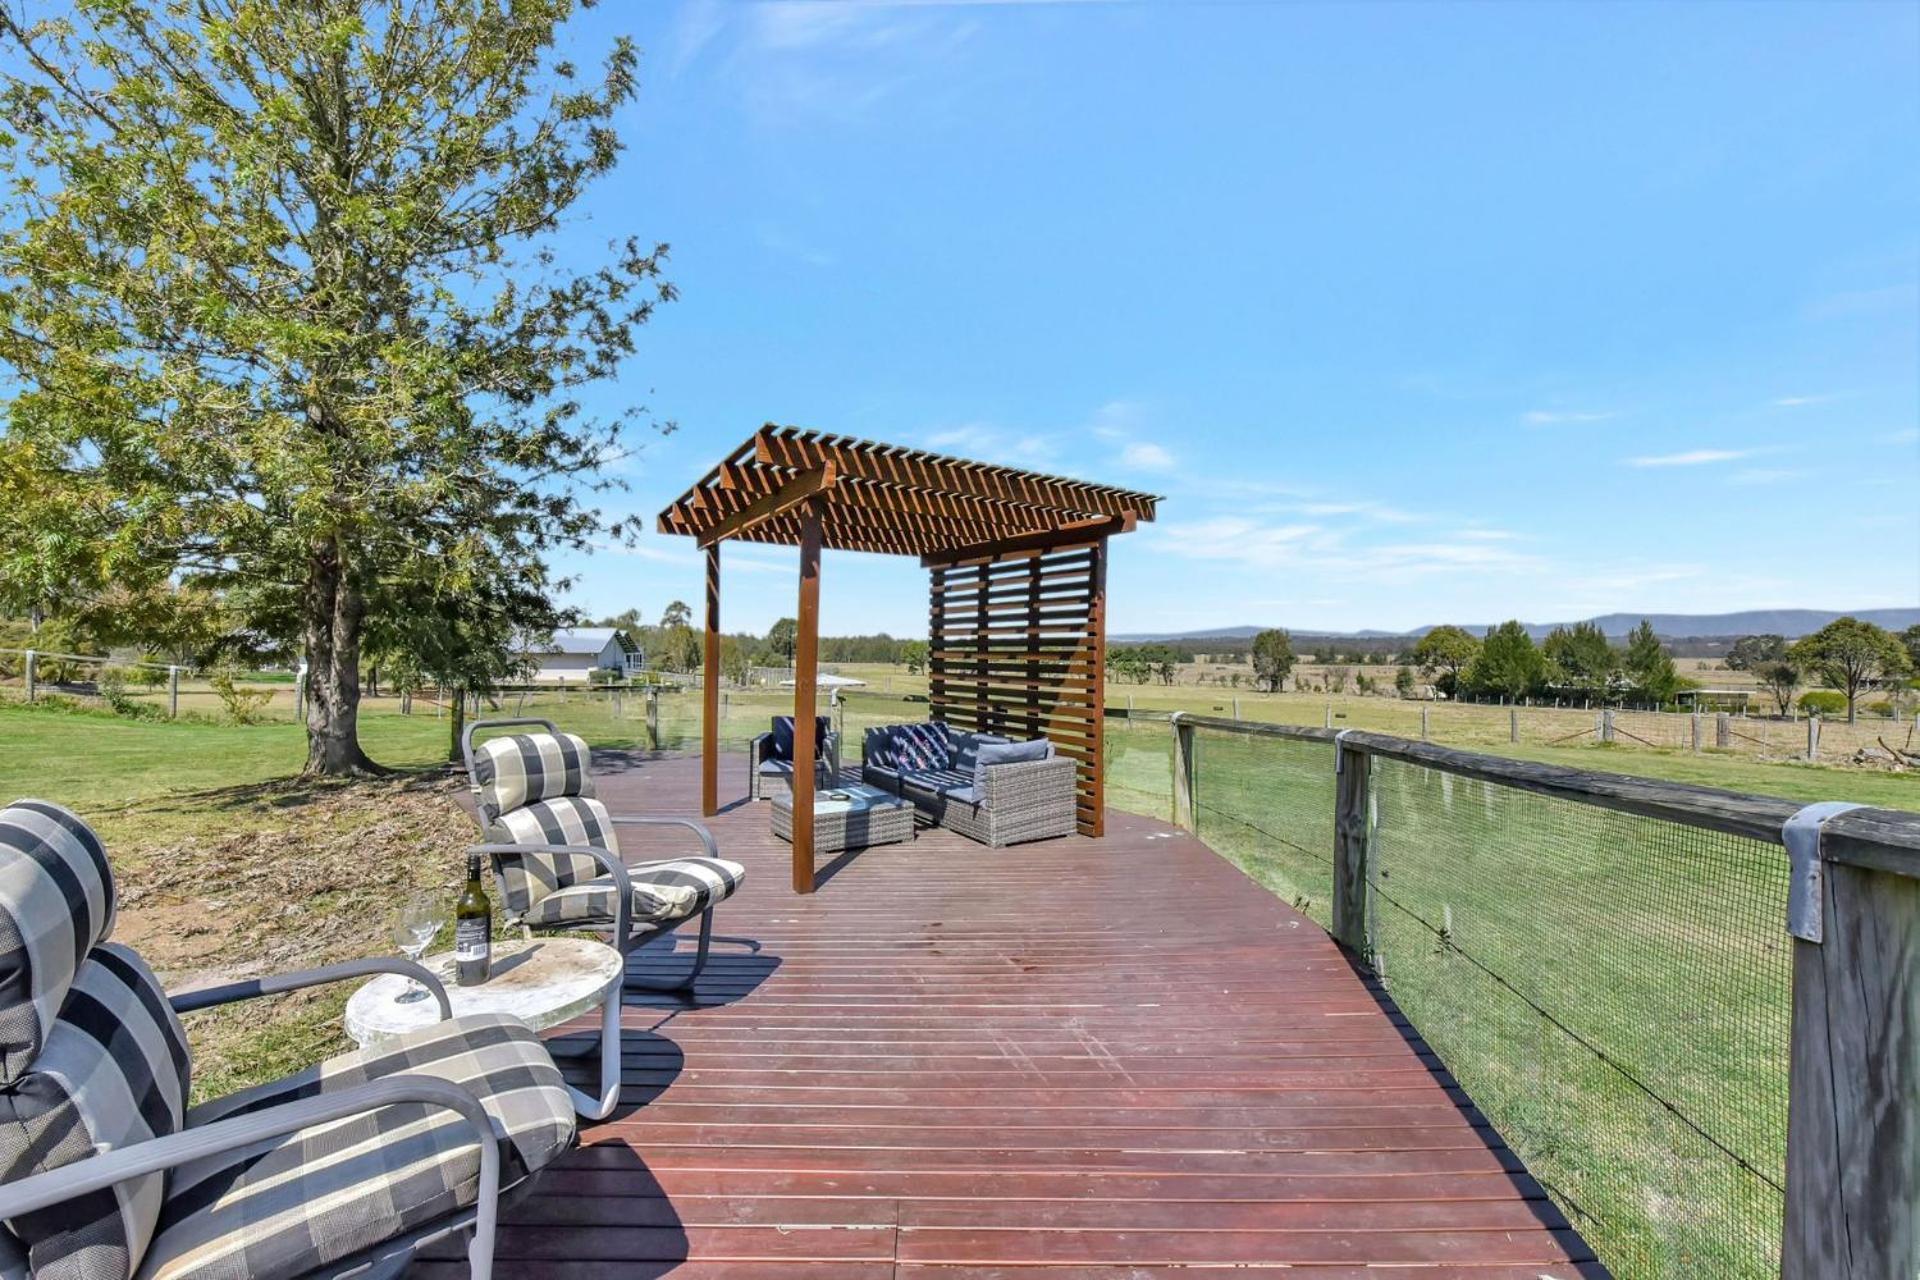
(1018, 561)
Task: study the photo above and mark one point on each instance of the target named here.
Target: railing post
(1723, 731)
(1329, 715)
(1513, 724)
(1606, 725)
(1697, 727)
(32, 674)
(173, 692)
(653, 717)
(1353, 772)
(1813, 737)
(1425, 728)
(1184, 812)
(1853, 1132)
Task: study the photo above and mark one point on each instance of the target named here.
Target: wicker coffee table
(853, 816)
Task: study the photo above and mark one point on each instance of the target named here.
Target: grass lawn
(1664, 948)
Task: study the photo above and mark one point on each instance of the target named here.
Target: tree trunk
(334, 612)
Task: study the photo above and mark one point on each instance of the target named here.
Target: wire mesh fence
(1267, 804)
(1613, 992)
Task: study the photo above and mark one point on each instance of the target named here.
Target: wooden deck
(1076, 1059)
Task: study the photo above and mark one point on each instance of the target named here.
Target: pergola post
(710, 692)
(806, 674)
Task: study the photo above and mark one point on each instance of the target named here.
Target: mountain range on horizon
(1790, 623)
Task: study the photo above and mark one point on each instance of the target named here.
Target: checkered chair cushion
(527, 878)
(287, 1205)
(91, 1055)
(522, 768)
(662, 892)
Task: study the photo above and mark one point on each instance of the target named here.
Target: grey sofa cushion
(1008, 753)
(966, 747)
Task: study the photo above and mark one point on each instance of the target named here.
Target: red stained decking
(1076, 1059)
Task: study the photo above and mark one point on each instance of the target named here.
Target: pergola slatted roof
(1016, 602)
(886, 498)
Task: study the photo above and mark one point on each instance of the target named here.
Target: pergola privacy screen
(1017, 619)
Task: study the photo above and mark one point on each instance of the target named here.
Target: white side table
(543, 983)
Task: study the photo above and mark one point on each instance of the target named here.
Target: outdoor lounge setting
(1365, 719)
(1017, 563)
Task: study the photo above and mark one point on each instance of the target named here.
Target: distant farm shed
(575, 653)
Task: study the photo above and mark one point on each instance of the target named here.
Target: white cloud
(1800, 402)
(1144, 455)
(1765, 475)
(1555, 417)
(985, 442)
(1691, 458)
(1333, 553)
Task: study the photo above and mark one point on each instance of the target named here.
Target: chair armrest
(832, 753)
(209, 997)
(757, 748)
(97, 1172)
(1015, 772)
(622, 883)
(698, 829)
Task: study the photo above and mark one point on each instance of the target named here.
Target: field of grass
(1661, 948)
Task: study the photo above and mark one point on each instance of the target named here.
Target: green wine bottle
(472, 929)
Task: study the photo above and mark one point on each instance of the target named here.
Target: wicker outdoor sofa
(986, 787)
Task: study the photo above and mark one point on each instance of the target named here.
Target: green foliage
(242, 706)
(1910, 641)
(1403, 682)
(1649, 667)
(1581, 660)
(1509, 664)
(278, 317)
(676, 614)
(782, 637)
(914, 654)
(1823, 702)
(1750, 652)
(1850, 655)
(1272, 659)
(1443, 655)
(112, 684)
(1780, 677)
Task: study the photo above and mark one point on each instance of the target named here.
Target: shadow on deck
(1067, 1060)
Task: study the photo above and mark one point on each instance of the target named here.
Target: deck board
(1071, 1060)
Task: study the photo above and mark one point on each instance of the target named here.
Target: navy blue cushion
(782, 745)
(921, 746)
(1008, 753)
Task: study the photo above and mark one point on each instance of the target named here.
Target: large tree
(281, 314)
(1508, 664)
(1581, 658)
(1649, 665)
(1272, 658)
(1443, 654)
(1850, 655)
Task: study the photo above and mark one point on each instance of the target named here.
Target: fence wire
(1613, 992)
(1267, 804)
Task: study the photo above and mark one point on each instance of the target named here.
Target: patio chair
(556, 857)
(770, 756)
(346, 1168)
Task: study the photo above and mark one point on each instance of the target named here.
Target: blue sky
(1414, 313)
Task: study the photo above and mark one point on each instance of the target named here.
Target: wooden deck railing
(1852, 1166)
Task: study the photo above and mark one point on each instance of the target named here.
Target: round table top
(543, 983)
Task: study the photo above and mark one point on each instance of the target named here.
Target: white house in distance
(577, 652)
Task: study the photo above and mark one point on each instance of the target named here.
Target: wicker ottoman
(848, 817)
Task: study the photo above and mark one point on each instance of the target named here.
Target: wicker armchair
(769, 764)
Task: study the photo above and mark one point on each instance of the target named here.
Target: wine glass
(416, 922)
